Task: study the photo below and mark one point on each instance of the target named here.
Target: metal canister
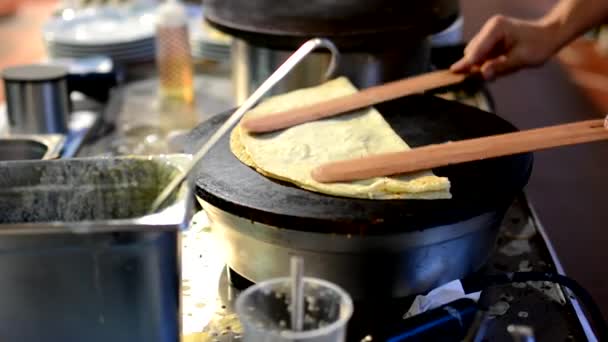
(37, 99)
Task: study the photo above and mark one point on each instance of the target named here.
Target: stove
(209, 289)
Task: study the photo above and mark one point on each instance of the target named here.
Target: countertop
(567, 188)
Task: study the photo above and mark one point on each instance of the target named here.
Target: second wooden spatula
(432, 156)
(361, 99)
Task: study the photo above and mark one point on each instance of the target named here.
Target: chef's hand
(505, 45)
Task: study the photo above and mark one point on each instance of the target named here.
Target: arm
(571, 18)
(506, 44)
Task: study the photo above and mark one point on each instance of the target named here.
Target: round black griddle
(351, 24)
(477, 187)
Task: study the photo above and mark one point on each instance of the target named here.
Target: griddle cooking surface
(477, 187)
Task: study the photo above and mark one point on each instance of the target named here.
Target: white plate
(123, 57)
(143, 52)
(117, 60)
(118, 47)
(210, 53)
(220, 58)
(210, 47)
(200, 32)
(138, 51)
(101, 26)
(146, 50)
(146, 40)
(222, 52)
(204, 43)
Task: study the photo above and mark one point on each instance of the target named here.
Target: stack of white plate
(125, 35)
(208, 43)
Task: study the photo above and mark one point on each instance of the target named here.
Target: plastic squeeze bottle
(173, 58)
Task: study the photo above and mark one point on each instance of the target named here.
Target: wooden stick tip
(318, 174)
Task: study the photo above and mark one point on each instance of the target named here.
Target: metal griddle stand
(206, 284)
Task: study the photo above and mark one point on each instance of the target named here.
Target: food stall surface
(209, 289)
(208, 293)
(523, 246)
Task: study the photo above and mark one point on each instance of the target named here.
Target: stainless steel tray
(80, 259)
(89, 195)
(25, 147)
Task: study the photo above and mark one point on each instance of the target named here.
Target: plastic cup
(264, 310)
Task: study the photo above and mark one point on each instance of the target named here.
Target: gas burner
(210, 288)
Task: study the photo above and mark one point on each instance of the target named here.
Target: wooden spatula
(364, 98)
(432, 156)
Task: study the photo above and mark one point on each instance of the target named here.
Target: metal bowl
(26, 147)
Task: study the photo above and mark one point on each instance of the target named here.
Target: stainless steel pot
(37, 99)
(390, 265)
(252, 64)
(80, 258)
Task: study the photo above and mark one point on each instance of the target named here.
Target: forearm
(571, 18)
(505, 45)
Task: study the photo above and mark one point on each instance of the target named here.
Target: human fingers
(501, 65)
(462, 65)
(484, 45)
(489, 41)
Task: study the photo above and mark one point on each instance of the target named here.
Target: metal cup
(37, 99)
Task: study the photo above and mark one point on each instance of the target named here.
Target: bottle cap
(171, 13)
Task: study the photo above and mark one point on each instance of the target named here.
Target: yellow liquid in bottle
(174, 64)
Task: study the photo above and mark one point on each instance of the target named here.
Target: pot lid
(349, 23)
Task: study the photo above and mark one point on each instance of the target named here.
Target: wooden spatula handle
(432, 156)
(364, 98)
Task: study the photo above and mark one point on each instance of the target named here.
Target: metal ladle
(270, 82)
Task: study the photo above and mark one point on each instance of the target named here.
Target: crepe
(292, 154)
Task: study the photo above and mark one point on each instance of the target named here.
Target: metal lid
(350, 24)
(34, 73)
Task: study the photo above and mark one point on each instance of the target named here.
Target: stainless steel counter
(206, 296)
(145, 125)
